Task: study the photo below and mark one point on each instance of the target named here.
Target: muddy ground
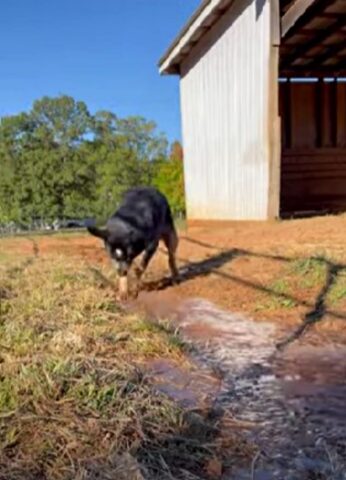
(247, 288)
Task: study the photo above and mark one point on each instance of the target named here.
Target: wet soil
(293, 401)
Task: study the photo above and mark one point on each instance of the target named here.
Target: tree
(169, 178)
(177, 151)
(14, 138)
(40, 155)
(61, 121)
(130, 149)
(58, 161)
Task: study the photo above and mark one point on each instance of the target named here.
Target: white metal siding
(224, 102)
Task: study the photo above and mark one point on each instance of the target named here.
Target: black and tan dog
(142, 220)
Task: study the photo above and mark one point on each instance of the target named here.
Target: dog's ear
(98, 232)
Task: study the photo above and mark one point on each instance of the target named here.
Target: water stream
(295, 400)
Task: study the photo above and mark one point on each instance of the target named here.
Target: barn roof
(202, 19)
(313, 36)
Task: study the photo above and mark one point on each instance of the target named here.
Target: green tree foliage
(59, 161)
(169, 178)
(44, 171)
(126, 154)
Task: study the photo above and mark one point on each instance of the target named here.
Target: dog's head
(117, 249)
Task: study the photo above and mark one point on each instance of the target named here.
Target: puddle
(190, 388)
(296, 399)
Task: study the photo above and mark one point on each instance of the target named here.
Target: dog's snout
(121, 267)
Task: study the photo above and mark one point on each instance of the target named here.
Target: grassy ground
(74, 402)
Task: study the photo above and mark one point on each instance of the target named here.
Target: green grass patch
(311, 271)
(300, 274)
(337, 292)
(278, 298)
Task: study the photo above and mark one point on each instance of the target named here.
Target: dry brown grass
(74, 403)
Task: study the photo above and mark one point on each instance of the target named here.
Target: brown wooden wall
(313, 171)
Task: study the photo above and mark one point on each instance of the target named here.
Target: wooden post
(287, 113)
(274, 123)
(319, 102)
(333, 113)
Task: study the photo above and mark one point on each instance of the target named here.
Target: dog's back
(144, 209)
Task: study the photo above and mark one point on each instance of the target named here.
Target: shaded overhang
(313, 36)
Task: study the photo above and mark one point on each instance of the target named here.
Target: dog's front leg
(148, 255)
(123, 288)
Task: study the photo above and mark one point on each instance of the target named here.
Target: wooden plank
(332, 71)
(319, 112)
(314, 115)
(287, 120)
(326, 124)
(317, 40)
(314, 155)
(298, 9)
(318, 8)
(313, 179)
(341, 115)
(325, 162)
(274, 122)
(332, 113)
(319, 152)
(306, 166)
(311, 174)
(275, 23)
(303, 114)
(330, 52)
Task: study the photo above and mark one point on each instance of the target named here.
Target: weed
(337, 293)
(311, 271)
(279, 298)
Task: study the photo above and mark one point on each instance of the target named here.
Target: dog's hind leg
(171, 241)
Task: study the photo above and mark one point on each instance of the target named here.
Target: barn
(263, 105)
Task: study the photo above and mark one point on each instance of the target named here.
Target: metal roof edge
(169, 61)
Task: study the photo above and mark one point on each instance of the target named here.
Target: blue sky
(104, 52)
